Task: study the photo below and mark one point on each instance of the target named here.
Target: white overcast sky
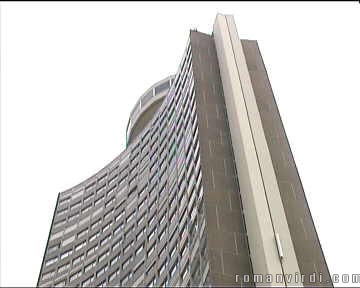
(71, 73)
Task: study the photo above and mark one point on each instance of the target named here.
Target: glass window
(76, 205)
(48, 275)
(80, 245)
(107, 226)
(104, 255)
(75, 275)
(105, 240)
(151, 249)
(90, 266)
(53, 248)
(66, 254)
(94, 236)
(139, 249)
(126, 263)
(62, 283)
(78, 259)
(118, 228)
(128, 247)
(88, 281)
(113, 275)
(173, 270)
(101, 271)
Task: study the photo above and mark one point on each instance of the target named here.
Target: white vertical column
(264, 213)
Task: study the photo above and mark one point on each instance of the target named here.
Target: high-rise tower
(206, 192)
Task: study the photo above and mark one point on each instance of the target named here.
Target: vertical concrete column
(270, 242)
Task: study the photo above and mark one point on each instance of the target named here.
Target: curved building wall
(140, 220)
(146, 106)
(143, 120)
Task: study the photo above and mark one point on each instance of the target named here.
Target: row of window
(146, 153)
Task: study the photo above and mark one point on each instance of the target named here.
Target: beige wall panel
(264, 213)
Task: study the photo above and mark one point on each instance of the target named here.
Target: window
(101, 271)
(73, 216)
(150, 267)
(78, 259)
(94, 236)
(111, 190)
(107, 226)
(126, 263)
(185, 271)
(162, 268)
(132, 202)
(151, 206)
(162, 220)
(90, 186)
(61, 212)
(115, 259)
(48, 275)
(114, 169)
(104, 255)
(172, 252)
(99, 200)
(66, 254)
(63, 201)
(100, 189)
(82, 233)
(109, 213)
(112, 180)
(116, 245)
(95, 224)
(53, 248)
(118, 228)
(141, 204)
(79, 246)
(105, 240)
(88, 281)
(152, 282)
(139, 249)
(92, 250)
(152, 248)
(75, 276)
(125, 279)
(173, 270)
(172, 218)
(129, 231)
(141, 219)
(142, 191)
(152, 233)
(165, 283)
(88, 197)
(87, 208)
(131, 215)
(59, 223)
(128, 247)
(108, 203)
(113, 275)
(90, 266)
(119, 215)
(162, 234)
(152, 219)
(76, 205)
(60, 284)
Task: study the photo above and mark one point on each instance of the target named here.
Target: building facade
(205, 193)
